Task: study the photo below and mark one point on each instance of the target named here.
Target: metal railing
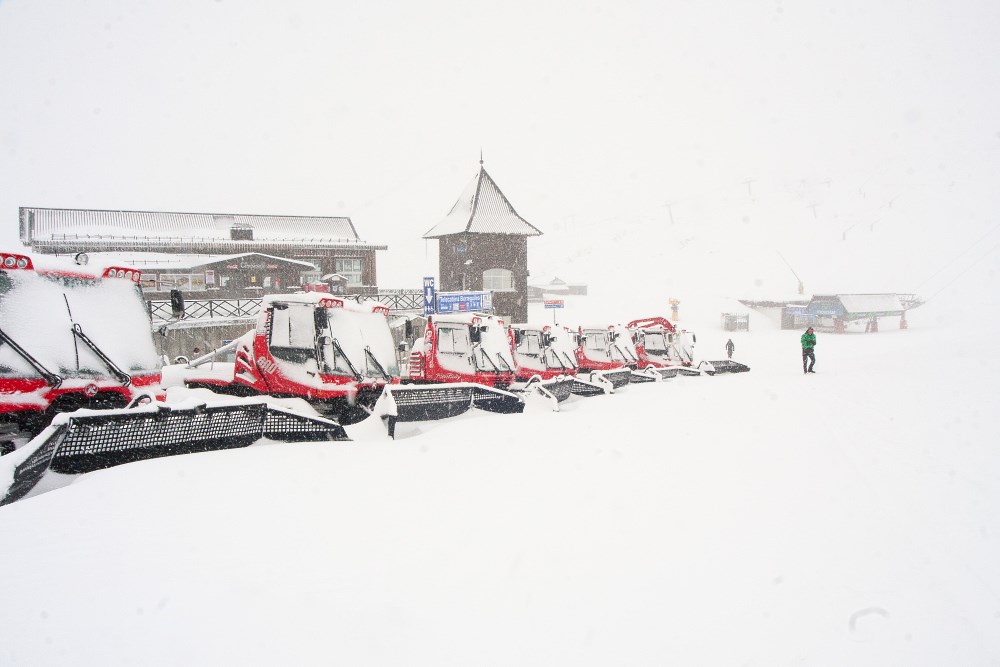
(399, 301)
(200, 309)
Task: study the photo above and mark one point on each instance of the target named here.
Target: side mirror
(518, 338)
(324, 340)
(475, 334)
(321, 319)
(402, 346)
(408, 329)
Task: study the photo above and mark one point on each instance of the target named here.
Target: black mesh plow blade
(560, 387)
(496, 400)
(729, 366)
(638, 377)
(584, 388)
(89, 442)
(618, 377)
(416, 403)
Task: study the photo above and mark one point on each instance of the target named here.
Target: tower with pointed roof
(483, 245)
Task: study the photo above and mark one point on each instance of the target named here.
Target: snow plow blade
(84, 441)
(556, 389)
(560, 388)
(617, 378)
(416, 403)
(644, 375)
(582, 387)
(703, 368)
(729, 366)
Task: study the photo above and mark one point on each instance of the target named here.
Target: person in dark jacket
(808, 343)
(730, 347)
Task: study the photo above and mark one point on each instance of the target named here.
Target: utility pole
(670, 211)
(814, 207)
(748, 182)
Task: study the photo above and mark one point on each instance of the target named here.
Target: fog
(860, 141)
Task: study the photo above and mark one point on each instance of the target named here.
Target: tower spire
(480, 157)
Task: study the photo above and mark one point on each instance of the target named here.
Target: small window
(454, 340)
(530, 344)
(498, 280)
(597, 340)
(350, 269)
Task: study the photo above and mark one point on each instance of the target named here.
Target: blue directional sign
(460, 302)
(428, 295)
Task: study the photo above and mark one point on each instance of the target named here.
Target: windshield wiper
(52, 379)
(625, 357)
(555, 355)
(337, 348)
(504, 361)
(119, 374)
(378, 366)
(479, 351)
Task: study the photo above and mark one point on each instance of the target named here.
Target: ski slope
(768, 518)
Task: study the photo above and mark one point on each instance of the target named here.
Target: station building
(233, 255)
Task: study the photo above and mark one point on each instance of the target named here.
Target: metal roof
(871, 303)
(164, 261)
(482, 209)
(43, 224)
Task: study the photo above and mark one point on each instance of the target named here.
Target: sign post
(428, 295)
(553, 304)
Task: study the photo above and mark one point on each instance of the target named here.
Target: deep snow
(759, 519)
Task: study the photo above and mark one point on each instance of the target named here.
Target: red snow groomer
(600, 355)
(545, 356)
(79, 370)
(333, 352)
(338, 355)
(669, 351)
(468, 349)
(70, 338)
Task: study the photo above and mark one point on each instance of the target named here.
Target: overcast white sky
(593, 116)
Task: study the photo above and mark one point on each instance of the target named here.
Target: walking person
(808, 354)
(730, 347)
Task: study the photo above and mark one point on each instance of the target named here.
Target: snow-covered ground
(769, 518)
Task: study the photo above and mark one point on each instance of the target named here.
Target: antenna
(480, 156)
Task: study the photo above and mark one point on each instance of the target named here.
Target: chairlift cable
(967, 269)
(959, 256)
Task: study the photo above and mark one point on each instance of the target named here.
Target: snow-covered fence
(206, 309)
(400, 300)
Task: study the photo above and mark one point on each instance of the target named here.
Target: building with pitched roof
(329, 244)
(483, 245)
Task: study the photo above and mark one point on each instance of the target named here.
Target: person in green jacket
(808, 343)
